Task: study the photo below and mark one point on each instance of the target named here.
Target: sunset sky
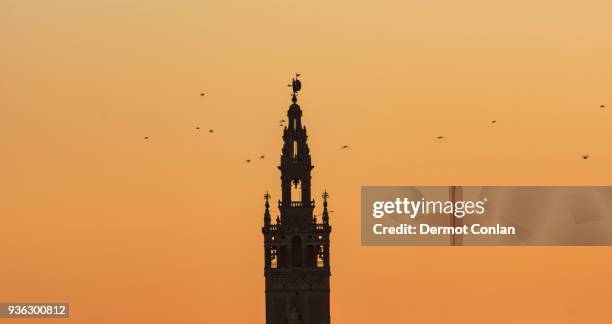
(155, 231)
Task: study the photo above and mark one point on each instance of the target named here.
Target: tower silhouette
(296, 246)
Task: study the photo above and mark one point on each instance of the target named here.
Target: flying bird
(248, 161)
(344, 147)
(210, 130)
(440, 137)
(202, 94)
(261, 157)
(586, 156)
(494, 121)
(197, 127)
(602, 106)
(146, 137)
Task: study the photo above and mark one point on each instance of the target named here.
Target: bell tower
(296, 245)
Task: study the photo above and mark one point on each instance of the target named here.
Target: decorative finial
(267, 217)
(267, 198)
(325, 217)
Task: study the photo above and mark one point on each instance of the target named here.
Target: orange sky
(157, 231)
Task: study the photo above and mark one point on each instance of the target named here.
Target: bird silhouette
(146, 137)
(261, 157)
(210, 130)
(602, 106)
(248, 161)
(202, 94)
(494, 121)
(586, 156)
(344, 147)
(440, 137)
(197, 127)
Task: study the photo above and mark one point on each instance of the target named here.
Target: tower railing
(296, 204)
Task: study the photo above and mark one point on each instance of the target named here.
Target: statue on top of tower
(296, 85)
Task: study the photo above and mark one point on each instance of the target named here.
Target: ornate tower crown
(295, 163)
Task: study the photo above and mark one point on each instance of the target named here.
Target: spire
(325, 213)
(267, 217)
(295, 163)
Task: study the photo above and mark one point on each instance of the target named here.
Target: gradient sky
(167, 230)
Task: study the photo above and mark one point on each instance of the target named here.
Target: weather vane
(296, 86)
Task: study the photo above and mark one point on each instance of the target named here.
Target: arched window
(273, 258)
(296, 190)
(321, 257)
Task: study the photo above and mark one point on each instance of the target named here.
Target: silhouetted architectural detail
(296, 247)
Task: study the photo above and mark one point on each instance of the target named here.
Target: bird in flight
(440, 137)
(248, 161)
(602, 106)
(210, 130)
(586, 156)
(261, 156)
(494, 121)
(197, 127)
(146, 137)
(344, 147)
(202, 94)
